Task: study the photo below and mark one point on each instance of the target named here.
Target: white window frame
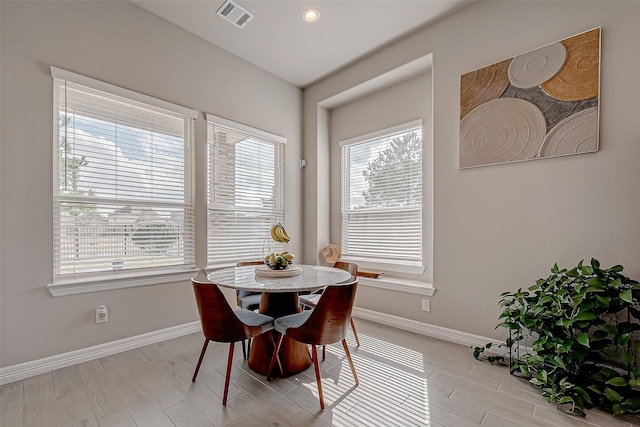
(216, 205)
(364, 262)
(75, 283)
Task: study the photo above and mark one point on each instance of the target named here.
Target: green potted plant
(574, 335)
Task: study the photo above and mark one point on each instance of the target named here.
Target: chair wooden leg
(355, 334)
(226, 379)
(275, 357)
(204, 349)
(244, 351)
(318, 381)
(353, 368)
(324, 352)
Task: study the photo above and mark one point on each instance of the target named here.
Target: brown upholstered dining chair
(312, 300)
(221, 324)
(327, 323)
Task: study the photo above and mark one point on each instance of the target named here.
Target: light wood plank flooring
(405, 380)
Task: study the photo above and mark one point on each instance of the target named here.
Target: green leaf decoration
(610, 329)
(596, 283)
(595, 263)
(594, 388)
(627, 357)
(623, 339)
(632, 403)
(587, 315)
(599, 335)
(626, 296)
(583, 394)
(583, 339)
(610, 353)
(565, 399)
(617, 382)
(612, 395)
(603, 301)
(558, 362)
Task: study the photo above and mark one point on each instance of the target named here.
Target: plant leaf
(559, 362)
(587, 315)
(596, 283)
(612, 395)
(632, 402)
(603, 301)
(583, 339)
(617, 382)
(609, 352)
(626, 296)
(610, 329)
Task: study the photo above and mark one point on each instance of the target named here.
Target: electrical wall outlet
(102, 314)
(426, 305)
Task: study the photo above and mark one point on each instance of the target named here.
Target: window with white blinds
(382, 195)
(245, 190)
(123, 181)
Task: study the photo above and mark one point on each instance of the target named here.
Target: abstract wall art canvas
(543, 103)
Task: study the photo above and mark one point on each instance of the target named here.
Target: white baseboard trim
(434, 331)
(20, 371)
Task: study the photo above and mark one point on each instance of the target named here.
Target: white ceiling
(280, 42)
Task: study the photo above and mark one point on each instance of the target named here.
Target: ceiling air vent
(234, 13)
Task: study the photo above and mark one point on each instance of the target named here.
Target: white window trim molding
(120, 281)
(216, 120)
(59, 73)
(399, 285)
(381, 133)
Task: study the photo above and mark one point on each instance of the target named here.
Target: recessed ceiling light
(311, 16)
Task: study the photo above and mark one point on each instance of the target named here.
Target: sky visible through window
(126, 162)
(255, 174)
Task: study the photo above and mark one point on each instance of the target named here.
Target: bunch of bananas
(279, 261)
(279, 234)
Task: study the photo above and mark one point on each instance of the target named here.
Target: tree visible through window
(382, 196)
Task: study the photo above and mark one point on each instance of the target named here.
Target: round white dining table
(279, 298)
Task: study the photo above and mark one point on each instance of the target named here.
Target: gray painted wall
(122, 44)
(502, 227)
(495, 228)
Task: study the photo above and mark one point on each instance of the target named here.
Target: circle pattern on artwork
(575, 134)
(499, 131)
(578, 78)
(536, 67)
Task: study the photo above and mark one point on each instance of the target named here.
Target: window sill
(396, 267)
(399, 285)
(128, 280)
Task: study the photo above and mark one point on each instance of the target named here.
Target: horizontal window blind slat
(123, 197)
(245, 192)
(382, 195)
